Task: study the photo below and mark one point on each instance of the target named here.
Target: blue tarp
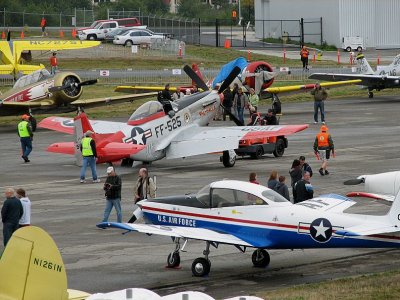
(226, 69)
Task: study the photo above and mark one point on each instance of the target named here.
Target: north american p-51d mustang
(159, 129)
(247, 215)
(386, 77)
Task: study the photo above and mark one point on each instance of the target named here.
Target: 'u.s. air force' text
(168, 126)
(177, 221)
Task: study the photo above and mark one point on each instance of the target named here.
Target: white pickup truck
(102, 28)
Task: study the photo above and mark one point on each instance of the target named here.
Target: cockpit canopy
(148, 111)
(32, 78)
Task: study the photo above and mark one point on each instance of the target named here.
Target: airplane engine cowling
(256, 67)
(70, 93)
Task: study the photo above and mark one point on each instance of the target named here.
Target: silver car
(136, 37)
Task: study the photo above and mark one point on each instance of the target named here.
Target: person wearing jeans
(89, 154)
(112, 188)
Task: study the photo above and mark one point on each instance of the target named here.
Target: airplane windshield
(32, 78)
(204, 195)
(273, 196)
(146, 110)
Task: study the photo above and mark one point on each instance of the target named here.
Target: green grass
(380, 286)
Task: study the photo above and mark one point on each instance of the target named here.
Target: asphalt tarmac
(365, 132)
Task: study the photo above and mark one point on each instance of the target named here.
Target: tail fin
(363, 66)
(81, 125)
(396, 61)
(31, 267)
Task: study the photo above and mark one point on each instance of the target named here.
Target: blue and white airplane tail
(363, 66)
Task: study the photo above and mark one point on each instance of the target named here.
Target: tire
(173, 260)
(348, 49)
(92, 37)
(259, 153)
(228, 161)
(279, 148)
(128, 43)
(201, 267)
(359, 49)
(260, 258)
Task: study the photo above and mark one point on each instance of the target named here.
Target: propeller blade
(192, 74)
(232, 116)
(88, 82)
(353, 181)
(228, 80)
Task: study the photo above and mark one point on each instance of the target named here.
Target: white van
(103, 27)
(350, 43)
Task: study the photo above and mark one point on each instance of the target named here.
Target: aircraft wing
(52, 45)
(134, 89)
(365, 79)
(368, 229)
(197, 140)
(27, 104)
(330, 202)
(112, 100)
(6, 69)
(309, 87)
(27, 69)
(178, 231)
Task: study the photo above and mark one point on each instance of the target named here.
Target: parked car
(136, 37)
(103, 27)
(116, 31)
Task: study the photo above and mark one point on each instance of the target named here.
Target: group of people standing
(15, 213)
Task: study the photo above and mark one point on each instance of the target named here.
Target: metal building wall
(376, 20)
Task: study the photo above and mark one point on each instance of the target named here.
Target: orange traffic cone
(61, 34)
(73, 33)
(22, 34)
(3, 35)
(227, 43)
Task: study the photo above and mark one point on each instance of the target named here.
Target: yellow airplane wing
(6, 69)
(134, 89)
(27, 69)
(112, 100)
(33, 104)
(307, 87)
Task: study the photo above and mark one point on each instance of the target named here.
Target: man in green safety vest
(89, 154)
(26, 135)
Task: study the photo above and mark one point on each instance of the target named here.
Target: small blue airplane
(247, 215)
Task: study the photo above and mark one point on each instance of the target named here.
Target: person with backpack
(305, 167)
(145, 187)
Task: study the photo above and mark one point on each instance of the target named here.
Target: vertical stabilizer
(363, 66)
(82, 124)
(31, 267)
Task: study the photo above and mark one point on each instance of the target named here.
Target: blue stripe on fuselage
(272, 238)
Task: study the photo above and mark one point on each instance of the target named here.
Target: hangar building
(377, 21)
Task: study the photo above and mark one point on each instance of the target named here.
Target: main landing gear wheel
(173, 260)
(228, 160)
(260, 258)
(259, 153)
(279, 148)
(201, 267)
(370, 95)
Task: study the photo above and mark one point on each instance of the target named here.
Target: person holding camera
(112, 188)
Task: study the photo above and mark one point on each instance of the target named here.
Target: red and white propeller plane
(167, 129)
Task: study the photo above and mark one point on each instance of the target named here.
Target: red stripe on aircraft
(147, 119)
(223, 218)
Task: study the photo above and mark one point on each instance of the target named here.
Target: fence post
(199, 31)
(108, 14)
(84, 17)
(216, 33)
(322, 40)
(4, 17)
(23, 18)
(302, 31)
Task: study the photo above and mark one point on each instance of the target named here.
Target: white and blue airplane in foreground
(247, 215)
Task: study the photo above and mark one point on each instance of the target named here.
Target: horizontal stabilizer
(27, 69)
(60, 124)
(135, 89)
(63, 148)
(122, 149)
(330, 202)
